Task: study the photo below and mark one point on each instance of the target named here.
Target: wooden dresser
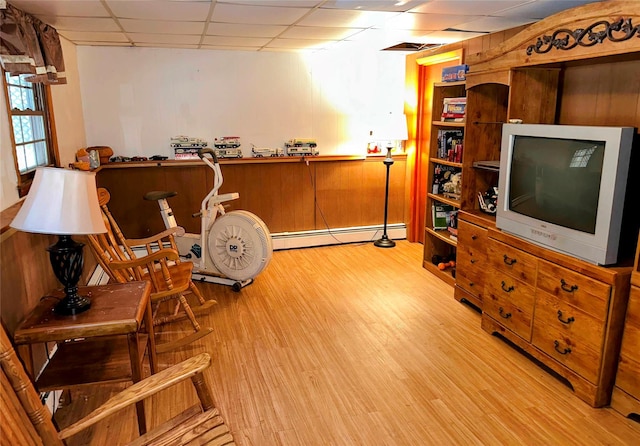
(626, 393)
(566, 313)
(471, 260)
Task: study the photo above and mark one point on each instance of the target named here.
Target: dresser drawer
(509, 302)
(472, 239)
(590, 295)
(570, 321)
(628, 377)
(471, 281)
(573, 352)
(512, 261)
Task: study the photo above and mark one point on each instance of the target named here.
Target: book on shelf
(442, 215)
(450, 145)
(442, 175)
(454, 109)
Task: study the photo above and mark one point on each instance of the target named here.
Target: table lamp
(393, 129)
(63, 202)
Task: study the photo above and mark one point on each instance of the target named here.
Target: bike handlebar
(211, 152)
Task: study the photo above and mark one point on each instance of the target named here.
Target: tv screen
(557, 180)
(564, 187)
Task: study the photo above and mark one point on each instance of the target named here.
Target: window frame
(42, 97)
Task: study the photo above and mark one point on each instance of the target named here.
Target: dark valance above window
(30, 46)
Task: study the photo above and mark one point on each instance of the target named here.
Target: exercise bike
(232, 247)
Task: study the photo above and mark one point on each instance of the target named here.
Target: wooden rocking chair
(26, 421)
(159, 264)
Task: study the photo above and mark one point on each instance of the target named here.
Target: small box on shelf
(454, 109)
(442, 215)
(455, 74)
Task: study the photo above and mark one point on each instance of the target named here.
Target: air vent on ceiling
(407, 46)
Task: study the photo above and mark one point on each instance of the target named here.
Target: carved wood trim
(584, 21)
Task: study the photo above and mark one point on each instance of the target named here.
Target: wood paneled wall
(289, 195)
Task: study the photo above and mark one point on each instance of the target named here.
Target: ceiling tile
(346, 19)
(93, 36)
(160, 9)
(373, 5)
(163, 45)
(265, 15)
(81, 23)
(426, 22)
(491, 24)
(318, 32)
(445, 37)
(230, 48)
(96, 43)
(164, 38)
(246, 30)
(69, 8)
(298, 44)
(540, 9)
(281, 3)
(468, 7)
(162, 26)
(235, 41)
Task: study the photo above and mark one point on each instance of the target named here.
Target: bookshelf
(444, 183)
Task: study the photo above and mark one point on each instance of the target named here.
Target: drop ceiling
(284, 25)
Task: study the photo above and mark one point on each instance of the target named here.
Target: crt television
(563, 187)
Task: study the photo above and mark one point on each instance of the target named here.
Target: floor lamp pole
(385, 241)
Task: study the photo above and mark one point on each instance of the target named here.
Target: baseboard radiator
(308, 239)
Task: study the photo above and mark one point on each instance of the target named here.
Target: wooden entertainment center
(578, 67)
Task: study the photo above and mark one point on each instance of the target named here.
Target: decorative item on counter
(185, 147)
(227, 147)
(260, 152)
(94, 159)
(83, 162)
(104, 152)
(301, 147)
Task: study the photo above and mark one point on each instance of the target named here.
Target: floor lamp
(394, 129)
(65, 203)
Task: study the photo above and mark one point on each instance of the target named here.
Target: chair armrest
(141, 390)
(163, 254)
(177, 231)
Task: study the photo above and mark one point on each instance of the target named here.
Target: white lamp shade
(61, 202)
(392, 127)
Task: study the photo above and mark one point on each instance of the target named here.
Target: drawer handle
(473, 237)
(473, 260)
(471, 283)
(566, 351)
(567, 288)
(567, 321)
(509, 261)
(506, 289)
(503, 314)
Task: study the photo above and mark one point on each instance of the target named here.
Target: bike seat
(156, 195)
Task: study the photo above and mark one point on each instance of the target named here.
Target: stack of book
(450, 145)
(453, 109)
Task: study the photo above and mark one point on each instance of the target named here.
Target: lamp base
(72, 305)
(384, 242)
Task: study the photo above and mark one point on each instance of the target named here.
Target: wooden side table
(103, 344)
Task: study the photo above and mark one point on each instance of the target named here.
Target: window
(581, 157)
(31, 125)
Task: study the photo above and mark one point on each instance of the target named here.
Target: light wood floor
(357, 345)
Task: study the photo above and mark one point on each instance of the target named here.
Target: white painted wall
(67, 105)
(135, 99)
